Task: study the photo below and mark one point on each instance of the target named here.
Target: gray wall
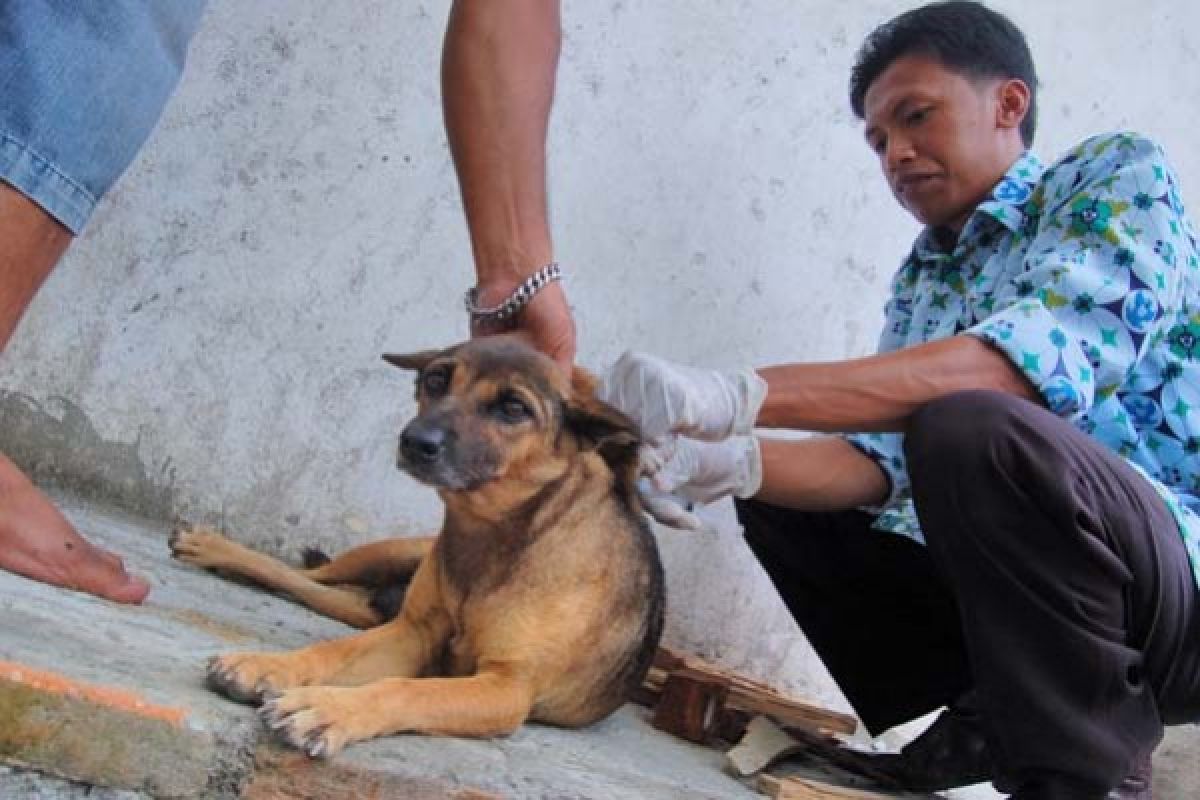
(210, 348)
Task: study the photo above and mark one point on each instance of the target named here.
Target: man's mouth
(909, 184)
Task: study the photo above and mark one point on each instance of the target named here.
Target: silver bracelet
(515, 302)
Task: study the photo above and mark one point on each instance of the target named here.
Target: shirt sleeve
(887, 451)
(1091, 296)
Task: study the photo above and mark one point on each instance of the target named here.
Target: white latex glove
(691, 471)
(671, 510)
(665, 398)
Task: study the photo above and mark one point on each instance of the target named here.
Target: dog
(541, 599)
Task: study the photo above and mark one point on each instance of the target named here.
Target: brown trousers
(1054, 582)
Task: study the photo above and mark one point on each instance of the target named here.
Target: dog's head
(494, 409)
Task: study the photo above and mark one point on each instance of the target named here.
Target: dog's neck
(498, 502)
(525, 501)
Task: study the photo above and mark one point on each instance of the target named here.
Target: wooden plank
(748, 695)
(808, 789)
(689, 707)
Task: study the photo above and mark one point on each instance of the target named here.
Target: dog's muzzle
(422, 445)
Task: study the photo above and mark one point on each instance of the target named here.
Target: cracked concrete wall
(210, 348)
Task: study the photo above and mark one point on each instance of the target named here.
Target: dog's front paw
(202, 547)
(247, 677)
(318, 720)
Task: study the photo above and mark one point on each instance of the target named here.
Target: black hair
(963, 36)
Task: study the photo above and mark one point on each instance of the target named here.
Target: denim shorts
(82, 84)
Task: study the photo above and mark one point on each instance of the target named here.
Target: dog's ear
(600, 427)
(416, 361)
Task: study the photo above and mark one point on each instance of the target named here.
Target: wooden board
(807, 789)
(746, 695)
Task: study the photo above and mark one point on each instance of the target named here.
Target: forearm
(498, 72)
(880, 392)
(823, 473)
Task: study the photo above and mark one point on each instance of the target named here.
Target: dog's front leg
(322, 720)
(404, 647)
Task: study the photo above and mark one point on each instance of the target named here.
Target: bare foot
(38, 542)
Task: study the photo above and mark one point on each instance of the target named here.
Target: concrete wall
(210, 349)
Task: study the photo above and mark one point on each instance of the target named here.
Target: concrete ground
(113, 697)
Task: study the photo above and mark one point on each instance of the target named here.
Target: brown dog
(542, 598)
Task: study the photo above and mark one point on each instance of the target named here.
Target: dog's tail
(314, 558)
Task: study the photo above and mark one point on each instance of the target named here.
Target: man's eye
(917, 117)
(879, 145)
(435, 382)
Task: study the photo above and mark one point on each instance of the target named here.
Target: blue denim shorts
(82, 84)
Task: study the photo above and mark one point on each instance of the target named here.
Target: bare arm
(823, 473)
(877, 393)
(498, 71)
(880, 392)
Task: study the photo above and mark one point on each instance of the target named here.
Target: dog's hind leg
(207, 548)
(321, 720)
(376, 563)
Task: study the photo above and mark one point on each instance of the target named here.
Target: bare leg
(35, 539)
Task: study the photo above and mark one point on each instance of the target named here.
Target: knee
(957, 434)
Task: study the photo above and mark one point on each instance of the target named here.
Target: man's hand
(685, 471)
(665, 398)
(705, 472)
(546, 323)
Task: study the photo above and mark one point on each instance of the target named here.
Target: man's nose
(899, 151)
(423, 444)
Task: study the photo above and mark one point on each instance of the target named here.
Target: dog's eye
(511, 408)
(435, 381)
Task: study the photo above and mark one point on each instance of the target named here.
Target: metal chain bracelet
(515, 302)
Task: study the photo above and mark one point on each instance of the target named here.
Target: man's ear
(1013, 98)
(417, 361)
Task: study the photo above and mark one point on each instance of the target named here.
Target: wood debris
(763, 745)
(806, 789)
(697, 700)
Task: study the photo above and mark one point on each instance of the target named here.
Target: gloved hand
(691, 471)
(665, 398)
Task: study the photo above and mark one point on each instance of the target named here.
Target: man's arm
(498, 70)
(880, 392)
(824, 473)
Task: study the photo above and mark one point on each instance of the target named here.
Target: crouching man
(1000, 520)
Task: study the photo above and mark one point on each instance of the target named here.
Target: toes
(132, 592)
(272, 715)
(222, 677)
(104, 575)
(316, 744)
(114, 561)
(180, 543)
(301, 725)
(194, 546)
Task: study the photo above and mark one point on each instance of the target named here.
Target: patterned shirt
(1085, 276)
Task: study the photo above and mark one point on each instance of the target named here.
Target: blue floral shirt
(1085, 275)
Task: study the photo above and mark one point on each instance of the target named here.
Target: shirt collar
(1006, 204)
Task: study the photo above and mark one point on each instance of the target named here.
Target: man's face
(941, 138)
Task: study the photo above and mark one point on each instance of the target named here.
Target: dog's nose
(422, 445)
